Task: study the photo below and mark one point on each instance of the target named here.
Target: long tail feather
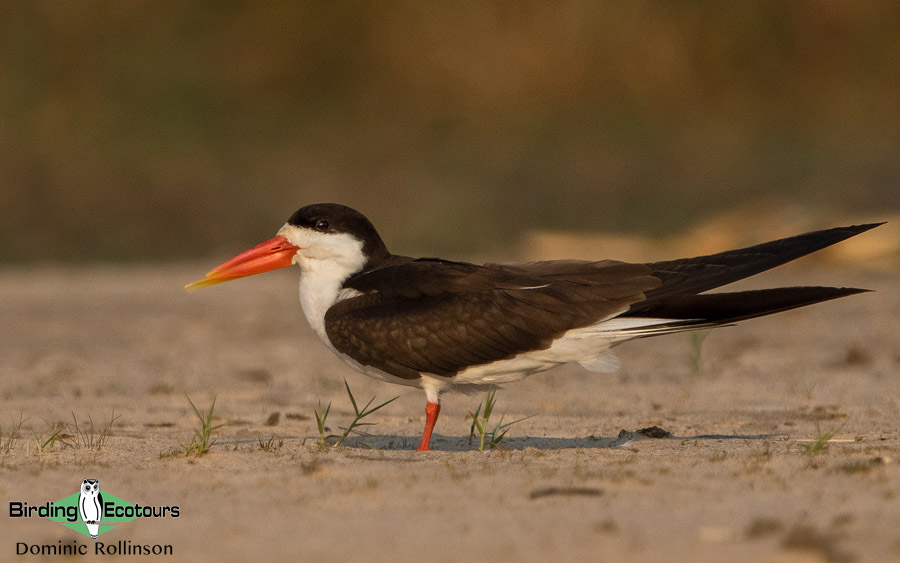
(714, 309)
(702, 273)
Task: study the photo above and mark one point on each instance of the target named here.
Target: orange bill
(269, 255)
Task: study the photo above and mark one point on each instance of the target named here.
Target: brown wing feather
(441, 317)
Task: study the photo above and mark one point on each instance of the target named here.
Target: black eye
(322, 225)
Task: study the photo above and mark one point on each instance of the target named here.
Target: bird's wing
(440, 317)
(681, 296)
(689, 276)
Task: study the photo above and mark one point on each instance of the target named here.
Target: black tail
(688, 276)
(681, 298)
(714, 309)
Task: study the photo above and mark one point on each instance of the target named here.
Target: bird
(443, 325)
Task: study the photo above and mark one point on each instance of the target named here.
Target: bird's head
(323, 235)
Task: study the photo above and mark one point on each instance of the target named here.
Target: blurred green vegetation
(165, 130)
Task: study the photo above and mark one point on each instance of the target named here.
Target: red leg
(432, 410)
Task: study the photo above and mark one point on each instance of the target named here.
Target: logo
(91, 512)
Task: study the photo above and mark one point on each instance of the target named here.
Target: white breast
(316, 299)
(326, 260)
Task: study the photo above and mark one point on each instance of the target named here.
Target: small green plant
(358, 416)
(320, 423)
(695, 360)
(270, 445)
(203, 439)
(10, 435)
(480, 422)
(821, 443)
(44, 441)
(87, 435)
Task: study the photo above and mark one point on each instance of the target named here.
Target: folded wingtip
(857, 229)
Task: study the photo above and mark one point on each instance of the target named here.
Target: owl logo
(90, 505)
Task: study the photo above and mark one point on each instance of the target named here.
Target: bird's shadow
(462, 443)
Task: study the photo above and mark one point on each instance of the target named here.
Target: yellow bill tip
(206, 282)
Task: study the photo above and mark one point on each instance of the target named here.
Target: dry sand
(734, 483)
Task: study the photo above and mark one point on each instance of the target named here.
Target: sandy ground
(735, 482)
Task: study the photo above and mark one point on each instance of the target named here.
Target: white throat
(326, 260)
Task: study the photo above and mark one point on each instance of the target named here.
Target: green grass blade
(352, 398)
(368, 412)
